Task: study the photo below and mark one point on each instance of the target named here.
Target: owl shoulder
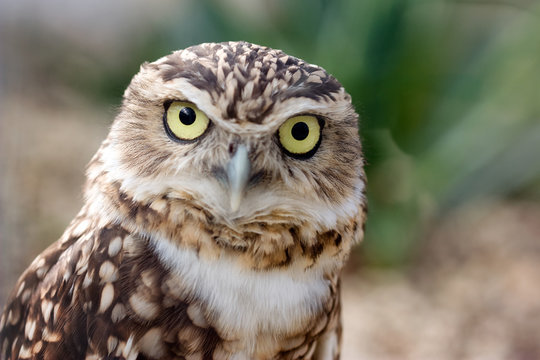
(52, 298)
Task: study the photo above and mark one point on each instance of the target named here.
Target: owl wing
(100, 295)
(44, 306)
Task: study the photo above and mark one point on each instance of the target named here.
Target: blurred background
(449, 98)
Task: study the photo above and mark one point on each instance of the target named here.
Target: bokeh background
(449, 98)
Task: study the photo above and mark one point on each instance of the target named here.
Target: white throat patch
(248, 302)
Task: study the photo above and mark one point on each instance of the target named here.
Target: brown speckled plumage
(157, 265)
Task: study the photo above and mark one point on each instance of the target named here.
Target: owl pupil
(300, 131)
(187, 116)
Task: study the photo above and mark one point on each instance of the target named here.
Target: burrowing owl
(219, 212)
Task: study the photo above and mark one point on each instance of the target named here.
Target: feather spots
(30, 329)
(108, 272)
(118, 313)
(37, 347)
(25, 352)
(151, 343)
(115, 246)
(20, 289)
(142, 307)
(55, 312)
(144, 299)
(42, 269)
(50, 336)
(191, 338)
(14, 314)
(25, 296)
(128, 350)
(87, 281)
(107, 296)
(112, 343)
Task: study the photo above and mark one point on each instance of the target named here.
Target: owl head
(243, 132)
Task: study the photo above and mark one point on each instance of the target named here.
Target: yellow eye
(300, 136)
(184, 121)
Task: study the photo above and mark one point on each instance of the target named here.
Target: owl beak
(238, 171)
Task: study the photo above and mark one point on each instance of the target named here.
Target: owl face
(245, 132)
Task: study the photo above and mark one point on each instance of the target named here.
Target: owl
(219, 212)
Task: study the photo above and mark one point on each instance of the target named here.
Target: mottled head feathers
(247, 92)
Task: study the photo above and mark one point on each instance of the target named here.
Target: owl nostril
(232, 148)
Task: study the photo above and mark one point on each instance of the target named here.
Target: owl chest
(246, 304)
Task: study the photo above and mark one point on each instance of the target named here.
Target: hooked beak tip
(236, 199)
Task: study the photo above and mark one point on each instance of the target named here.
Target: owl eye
(300, 136)
(184, 121)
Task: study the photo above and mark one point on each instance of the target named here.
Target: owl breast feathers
(218, 214)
